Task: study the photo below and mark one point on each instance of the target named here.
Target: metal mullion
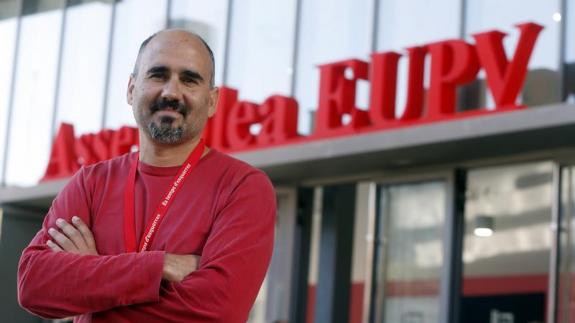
(167, 23)
(227, 42)
(375, 25)
(463, 19)
(380, 254)
(454, 226)
(563, 49)
(295, 50)
(552, 291)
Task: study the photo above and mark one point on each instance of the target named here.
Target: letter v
(505, 79)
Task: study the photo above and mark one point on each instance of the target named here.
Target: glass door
(508, 244)
(273, 301)
(410, 251)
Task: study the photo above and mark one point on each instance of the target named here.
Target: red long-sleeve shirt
(224, 212)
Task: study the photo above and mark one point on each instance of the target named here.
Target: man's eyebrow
(193, 75)
(157, 69)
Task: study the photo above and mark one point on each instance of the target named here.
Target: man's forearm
(59, 284)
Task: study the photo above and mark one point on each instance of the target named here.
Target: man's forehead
(177, 46)
(173, 45)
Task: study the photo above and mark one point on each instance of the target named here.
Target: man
(121, 241)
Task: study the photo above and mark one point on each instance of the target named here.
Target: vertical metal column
(333, 287)
(302, 240)
(229, 19)
(552, 290)
(452, 272)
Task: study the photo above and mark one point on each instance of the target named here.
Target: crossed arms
(77, 238)
(67, 277)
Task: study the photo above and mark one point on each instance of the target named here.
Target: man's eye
(157, 76)
(190, 80)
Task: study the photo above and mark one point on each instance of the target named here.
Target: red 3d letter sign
(242, 125)
(69, 153)
(453, 63)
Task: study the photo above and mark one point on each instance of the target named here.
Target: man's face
(170, 93)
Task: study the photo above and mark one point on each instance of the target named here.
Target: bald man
(176, 232)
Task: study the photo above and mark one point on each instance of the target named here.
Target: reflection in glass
(30, 136)
(329, 31)
(135, 20)
(399, 27)
(261, 48)
(83, 71)
(512, 265)
(410, 252)
(8, 13)
(543, 83)
(207, 19)
(566, 288)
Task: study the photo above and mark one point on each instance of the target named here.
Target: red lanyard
(163, 206)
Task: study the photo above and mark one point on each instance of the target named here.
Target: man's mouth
(170, 108)
(168, 113)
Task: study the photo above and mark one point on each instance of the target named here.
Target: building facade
(452, 202)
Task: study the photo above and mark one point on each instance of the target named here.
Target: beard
(165, 132)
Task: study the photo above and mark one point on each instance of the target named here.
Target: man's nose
(172, 89)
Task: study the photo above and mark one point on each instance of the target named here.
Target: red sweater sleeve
(232, 266)
(59, 284)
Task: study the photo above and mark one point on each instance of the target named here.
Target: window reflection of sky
(330, 31)
(7, 36)
(261, 47)
(83, 71)
(33, 97)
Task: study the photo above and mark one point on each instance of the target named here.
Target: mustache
(166, 104)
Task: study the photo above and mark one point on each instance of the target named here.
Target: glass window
(507, 243)
(35, 87)
(543, 82)
(8, 22)
(566, 286)
(135, 20)
(261, 48)
(83, 71)
(329, 31)
(207, 19)
(410, 252)
(399, 27)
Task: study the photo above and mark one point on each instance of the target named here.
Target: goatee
(164, 132)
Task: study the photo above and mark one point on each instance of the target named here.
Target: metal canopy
(492, 135)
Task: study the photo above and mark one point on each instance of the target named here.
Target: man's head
(171, 89)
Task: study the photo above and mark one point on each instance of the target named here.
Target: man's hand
(177, 267)
(76, 238)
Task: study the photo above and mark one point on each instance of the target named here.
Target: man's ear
(130, 93)
(214, 95)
